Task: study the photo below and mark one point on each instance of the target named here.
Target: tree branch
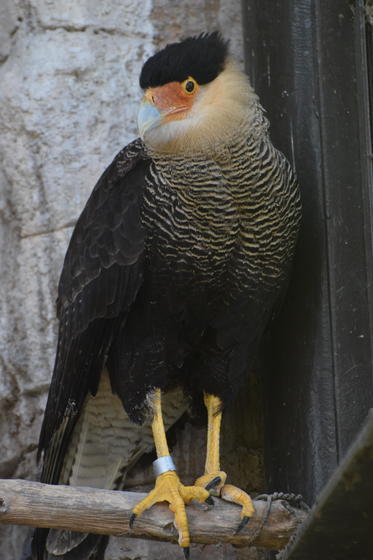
(107, 512)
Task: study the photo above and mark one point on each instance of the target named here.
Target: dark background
(311, 63)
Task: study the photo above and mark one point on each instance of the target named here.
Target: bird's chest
(191, 223)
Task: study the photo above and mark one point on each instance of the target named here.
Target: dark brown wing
(101, 277)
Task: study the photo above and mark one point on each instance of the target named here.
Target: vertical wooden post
(309, 62)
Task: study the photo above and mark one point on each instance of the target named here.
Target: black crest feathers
(200, 57)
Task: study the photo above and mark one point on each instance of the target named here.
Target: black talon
(186, 551)
(132, 519)
(214, 482)
(209, 501)
(244, 522)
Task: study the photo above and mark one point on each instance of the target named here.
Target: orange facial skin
(172, 101)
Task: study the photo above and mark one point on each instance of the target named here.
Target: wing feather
(101, 277)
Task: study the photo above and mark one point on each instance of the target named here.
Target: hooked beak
(161, 105)
(148, 117)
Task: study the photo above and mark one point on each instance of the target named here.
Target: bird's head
(195, 97)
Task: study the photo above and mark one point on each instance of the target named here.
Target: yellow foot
(215, 484)
(168, 488)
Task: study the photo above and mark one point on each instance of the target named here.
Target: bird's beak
(161, 105)
(148, 117)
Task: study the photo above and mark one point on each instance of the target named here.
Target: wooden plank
(340, 524)
(344, 122)
(308, 61)
(301, 438)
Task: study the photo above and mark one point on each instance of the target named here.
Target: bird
(174, 270)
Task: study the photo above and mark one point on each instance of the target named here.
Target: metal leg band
(163, 464)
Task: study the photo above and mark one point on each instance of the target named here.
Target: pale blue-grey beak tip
(148, 117)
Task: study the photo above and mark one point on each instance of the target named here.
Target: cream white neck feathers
(220, 109)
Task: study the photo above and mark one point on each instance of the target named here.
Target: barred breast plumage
(230, 221)
(220, 235)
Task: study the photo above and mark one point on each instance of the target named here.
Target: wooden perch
(107, 512)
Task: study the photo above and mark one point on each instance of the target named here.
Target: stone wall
(68, 102)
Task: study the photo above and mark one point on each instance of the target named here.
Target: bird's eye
(189, 85)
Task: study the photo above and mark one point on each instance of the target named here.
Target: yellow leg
(214, 479)
(168, 487)
(159, 434)
(213, 405)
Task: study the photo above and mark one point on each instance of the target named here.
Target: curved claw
(214, 482)
(132, 519)
(168, 488)
(209, 501)
(244, 521)
(186, 551)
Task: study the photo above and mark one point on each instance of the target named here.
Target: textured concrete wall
(68, 101)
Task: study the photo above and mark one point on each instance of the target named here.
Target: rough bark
(108, 512)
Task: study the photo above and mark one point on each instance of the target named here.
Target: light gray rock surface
(68, 102)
